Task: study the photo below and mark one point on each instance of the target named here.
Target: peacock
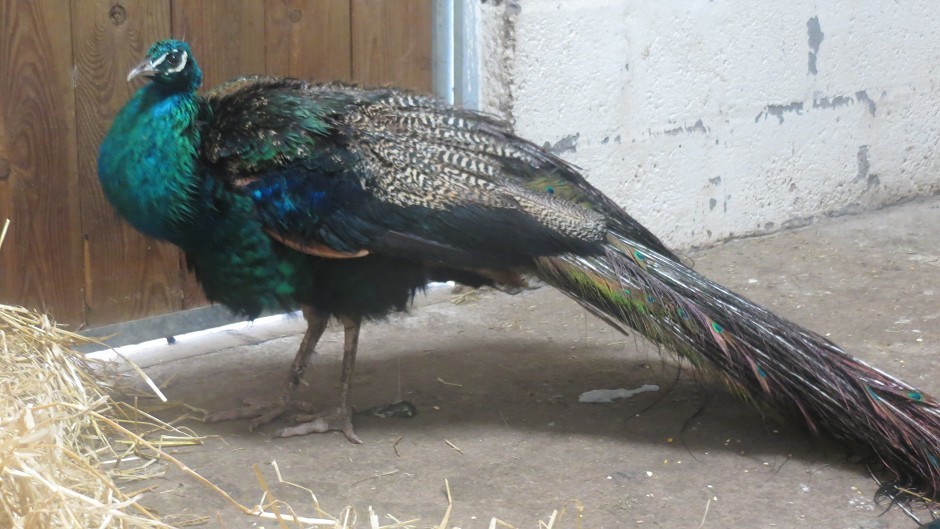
(347, 201)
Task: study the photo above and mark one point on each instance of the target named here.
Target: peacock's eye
(173, 58)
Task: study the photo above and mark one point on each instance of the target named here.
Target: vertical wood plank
(227, 36)
(127, 275)
(41, 260)
(193, 296)
(391, 43)
(309, 39)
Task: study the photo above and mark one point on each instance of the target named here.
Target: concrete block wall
(715, 119)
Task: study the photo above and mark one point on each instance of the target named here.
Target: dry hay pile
(56, 420)
(64, 442)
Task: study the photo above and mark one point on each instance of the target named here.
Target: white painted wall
(703, 118)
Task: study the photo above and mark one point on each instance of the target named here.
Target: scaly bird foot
(260, 411)
(339, 419)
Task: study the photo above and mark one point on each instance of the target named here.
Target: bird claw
(339, 419)
(261, 412)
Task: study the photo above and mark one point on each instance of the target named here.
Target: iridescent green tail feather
(760, 355)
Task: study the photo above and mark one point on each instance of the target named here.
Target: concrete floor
(499, 376)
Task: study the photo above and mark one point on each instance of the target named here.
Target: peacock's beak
(143, 68)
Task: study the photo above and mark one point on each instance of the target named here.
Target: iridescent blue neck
(147, 162)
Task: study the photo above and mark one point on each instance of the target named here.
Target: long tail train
(763, 356)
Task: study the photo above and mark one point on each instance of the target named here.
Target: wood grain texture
(309, 39)
(62, 80)
(226, 36)
(127, 276)
(41, 260)
(391, 43)
(193, 296)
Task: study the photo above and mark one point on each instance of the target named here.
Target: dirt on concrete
(496, 380)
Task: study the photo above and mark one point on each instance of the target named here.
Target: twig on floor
(446, 383)
(705, 515)
(382, 475)
(450, 506)
(452, 445)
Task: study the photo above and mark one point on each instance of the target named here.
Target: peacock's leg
(339, 418)
(264, 412)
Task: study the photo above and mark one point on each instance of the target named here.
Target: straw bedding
(62, 444)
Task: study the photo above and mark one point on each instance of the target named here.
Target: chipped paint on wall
(567, 144)
(795, 107)
(697, 127)
(715, 88)
(831, 102)
(862, 97)
(818, 102)
(815, 39)
(864, 173)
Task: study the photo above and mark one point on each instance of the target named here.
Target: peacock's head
(170, 63)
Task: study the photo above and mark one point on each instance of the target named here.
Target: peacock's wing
(391, 172)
